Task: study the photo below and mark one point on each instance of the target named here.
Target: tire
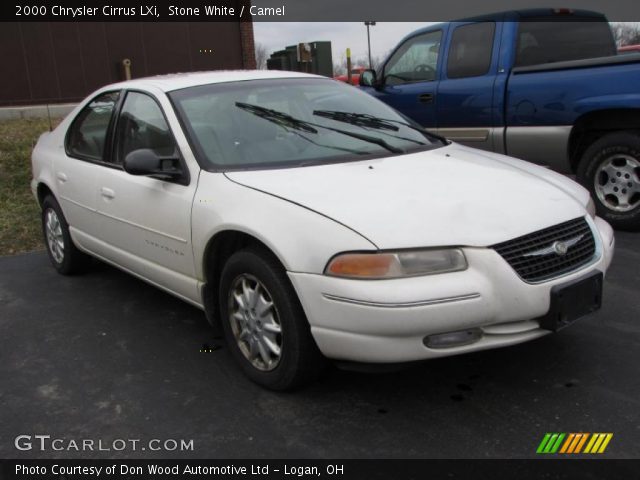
(256, 278)
(610, 170)
(64, 255)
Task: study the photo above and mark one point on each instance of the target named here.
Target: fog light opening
(453, 339)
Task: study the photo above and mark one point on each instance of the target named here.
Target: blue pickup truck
(542, 85)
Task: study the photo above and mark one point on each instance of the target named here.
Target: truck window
(552, 41)
(415, 60)
(470, 50)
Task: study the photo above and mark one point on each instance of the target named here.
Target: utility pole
(369, 24)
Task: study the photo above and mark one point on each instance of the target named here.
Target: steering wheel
(423, 67)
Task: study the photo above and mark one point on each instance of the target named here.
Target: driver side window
(415, 61)
(142, 125)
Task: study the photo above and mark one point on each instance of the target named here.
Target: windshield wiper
(371, 121)
(366, 121)
(285, 120)
(275, 116)
(359, 119)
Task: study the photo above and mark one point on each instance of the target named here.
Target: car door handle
(107, 192)
(425, 97)
(62, 177)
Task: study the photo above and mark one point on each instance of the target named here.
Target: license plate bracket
(573, 300)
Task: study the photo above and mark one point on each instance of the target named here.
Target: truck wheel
(610, 169)
(64, 255)
(264, 325)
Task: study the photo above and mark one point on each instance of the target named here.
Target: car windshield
(292, 122)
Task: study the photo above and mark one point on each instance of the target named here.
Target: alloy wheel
(55, 239)
(255, 322)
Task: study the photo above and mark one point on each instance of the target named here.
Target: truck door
(466, 109)
(410, 78)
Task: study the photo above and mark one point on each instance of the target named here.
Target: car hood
(452, 195)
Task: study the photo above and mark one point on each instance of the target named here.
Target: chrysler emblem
(559, 247)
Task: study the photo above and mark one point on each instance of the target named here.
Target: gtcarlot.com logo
(573, 443)
(46, 442)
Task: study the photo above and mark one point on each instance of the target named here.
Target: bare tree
(626, 33)
(340, 68)
(262, 54)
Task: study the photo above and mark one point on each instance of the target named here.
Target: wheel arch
(591, 126)
(218, 250)
(42, 191)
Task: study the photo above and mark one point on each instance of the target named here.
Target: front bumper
(386, 321)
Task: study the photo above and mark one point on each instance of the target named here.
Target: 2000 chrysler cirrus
(313, 221)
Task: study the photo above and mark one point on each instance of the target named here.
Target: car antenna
(49, 116)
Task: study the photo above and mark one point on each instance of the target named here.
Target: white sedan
(312, 221)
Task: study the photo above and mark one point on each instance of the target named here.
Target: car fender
(302, 239)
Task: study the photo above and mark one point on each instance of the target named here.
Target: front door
(146, 221)
(410, 78)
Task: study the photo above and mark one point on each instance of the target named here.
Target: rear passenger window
(87, 135)
(470, 50)
(541, 41)
(142, 125)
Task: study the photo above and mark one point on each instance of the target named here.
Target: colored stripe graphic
(567, 443)
(556, 446)
(598, 443)
(581, 443)
(573, 443)
(550, 443)
(543, 443)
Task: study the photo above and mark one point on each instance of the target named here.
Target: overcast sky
(384, 36)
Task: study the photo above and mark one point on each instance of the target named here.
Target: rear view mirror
(147, 162)
(368, 78)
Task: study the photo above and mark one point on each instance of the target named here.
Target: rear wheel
(610, 169)
(264, 324)
(64, 255)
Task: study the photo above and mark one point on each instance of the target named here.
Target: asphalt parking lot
(105, 356)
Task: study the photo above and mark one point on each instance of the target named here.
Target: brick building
(52, 62)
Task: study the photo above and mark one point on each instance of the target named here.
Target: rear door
(466, 108)
(410, 77)
(78, 164)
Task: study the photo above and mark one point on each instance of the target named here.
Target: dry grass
(19, 212)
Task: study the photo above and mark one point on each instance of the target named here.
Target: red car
(629, 49)
(355, 75)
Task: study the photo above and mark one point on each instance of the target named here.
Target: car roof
(514, 15)
(177, 81)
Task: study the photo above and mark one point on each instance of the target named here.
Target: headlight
(591, 208)
(396, 264)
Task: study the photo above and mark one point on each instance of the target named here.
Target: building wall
(63, 62)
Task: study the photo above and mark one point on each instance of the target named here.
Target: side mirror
(147, 162)
(369, 78)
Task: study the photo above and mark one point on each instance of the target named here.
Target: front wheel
(264, 324)
(610, 169)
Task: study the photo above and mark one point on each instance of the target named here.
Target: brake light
(563, 11)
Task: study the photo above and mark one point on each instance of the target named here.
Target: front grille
(533, 257)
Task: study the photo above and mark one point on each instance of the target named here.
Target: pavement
(104, 356)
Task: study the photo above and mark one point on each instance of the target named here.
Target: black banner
(289, 10)
(340, 469)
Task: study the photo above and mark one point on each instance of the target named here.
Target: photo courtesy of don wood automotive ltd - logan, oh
(256, 238)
